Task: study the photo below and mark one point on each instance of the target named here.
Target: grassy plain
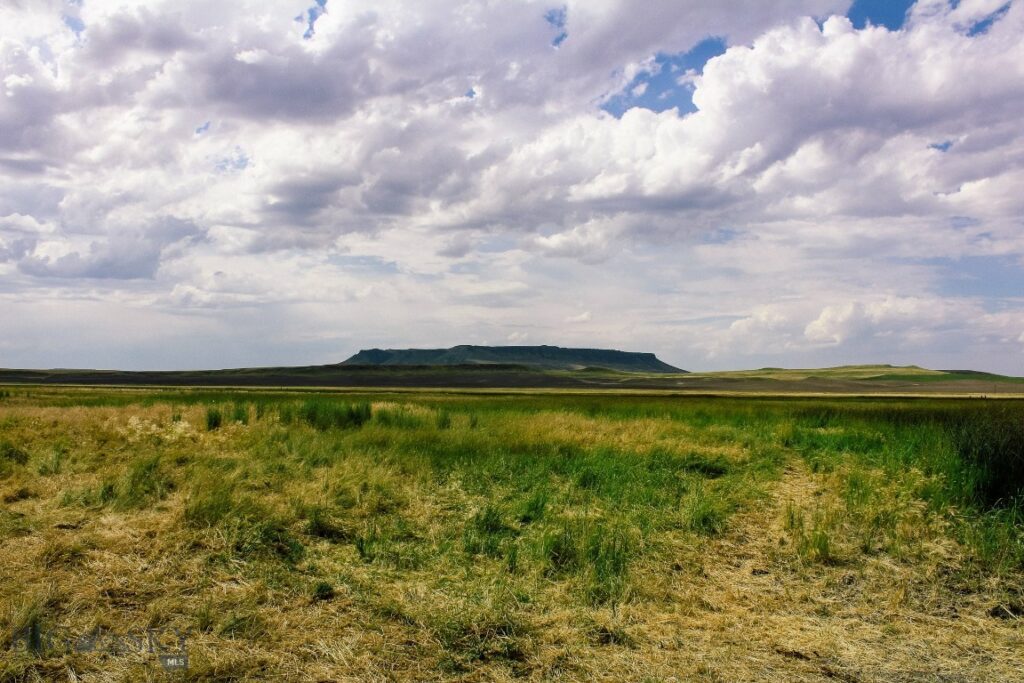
(459, 536)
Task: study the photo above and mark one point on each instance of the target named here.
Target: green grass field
(459, 536)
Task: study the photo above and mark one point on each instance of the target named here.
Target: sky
(726, 183)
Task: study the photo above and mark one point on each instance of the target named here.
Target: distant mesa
(545, 357)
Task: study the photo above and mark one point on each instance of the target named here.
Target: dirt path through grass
(755, 610)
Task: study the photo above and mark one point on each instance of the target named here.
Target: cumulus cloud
(890, 316)
(448, 163)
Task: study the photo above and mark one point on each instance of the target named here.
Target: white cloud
(836, 323)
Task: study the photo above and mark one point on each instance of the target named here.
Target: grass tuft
(253, 531)
(12, 453)
(323, 591)
(704, 511)
(813, 541)
(321, 524)
(481, 629)
(534, 507)
(240, 413)
(324, 414)
(609, 553)
(214, 419)
(486, 533)
(145, 482)
(246, 625)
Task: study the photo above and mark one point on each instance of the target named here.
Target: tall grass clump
(971, 456)
(322, 524)
(560, 549)
(534, 506)
(323, 414)
(392, 543)
(704, 511)
(286, 413)
(997, 538)
(12, 453)
(608, 554)
(53, 463)
(214, 418)
(399, 417)
(976, 450)
(486, 533)
(813, 540)
(251, 529)
(599, 552)
(990, 443)
(145, 482)
(240, 413)
(479, 629)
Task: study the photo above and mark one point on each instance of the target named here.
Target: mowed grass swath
(445, 536)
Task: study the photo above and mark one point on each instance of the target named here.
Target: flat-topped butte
(547, 357)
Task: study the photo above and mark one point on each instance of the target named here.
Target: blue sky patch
(666, 86)
(237, 161)
(980, 276)
(73, 23)
(466, 268)
(557, 18)
(962, 222)
(721, 236)
(891, 14)
(312, 14)
(942, 146)
(985, 24)
(375, 264)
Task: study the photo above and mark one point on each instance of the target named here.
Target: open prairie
(382, 536)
